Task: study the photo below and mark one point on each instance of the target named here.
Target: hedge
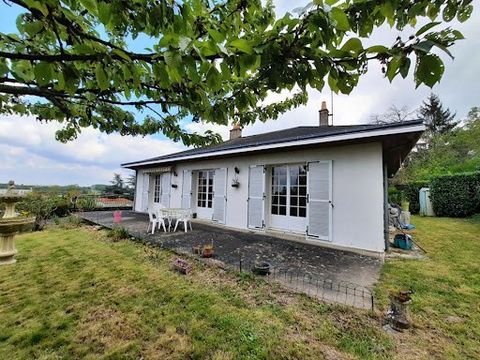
(410, 192)
(456, 195)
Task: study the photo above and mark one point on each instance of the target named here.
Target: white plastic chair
(154, 220)
(184, 216)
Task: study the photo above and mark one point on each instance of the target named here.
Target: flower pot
(261, 269)
(181, 266)
(207, 252)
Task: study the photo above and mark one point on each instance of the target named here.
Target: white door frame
(206, 212)
(287, 222)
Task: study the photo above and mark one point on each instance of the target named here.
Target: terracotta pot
(207, 252)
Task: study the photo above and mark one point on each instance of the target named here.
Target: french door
(288, 207)
(205, 180)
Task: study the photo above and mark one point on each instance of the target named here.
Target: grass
(446, 303)
(78, 293)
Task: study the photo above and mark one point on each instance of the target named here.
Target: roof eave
(363, 135)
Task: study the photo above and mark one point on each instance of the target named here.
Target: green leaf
(353, 45)
(101, 77)
(340, 18)
(392, 67)
(427, 27)
(424, 46)
(22, 70)
(3, 67)
(376, 49)
(242, 45)
(216, 35)
(214, 80)
(405, 67)
(43, 73)
(104, 13)
(184, 42)
(429, 70)
(90, 5)
(450, 11)
(464, 12)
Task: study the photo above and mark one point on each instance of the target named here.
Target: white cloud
(29, 153)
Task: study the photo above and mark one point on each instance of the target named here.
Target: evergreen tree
(438, 120)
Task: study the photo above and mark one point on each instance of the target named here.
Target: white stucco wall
(357, 190)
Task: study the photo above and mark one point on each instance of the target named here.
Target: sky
(29, 153)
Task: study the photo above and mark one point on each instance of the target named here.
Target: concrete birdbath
(11, 224)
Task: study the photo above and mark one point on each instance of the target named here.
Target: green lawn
(446, 303)
(75, 293)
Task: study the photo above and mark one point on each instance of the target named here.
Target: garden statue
(11, 224)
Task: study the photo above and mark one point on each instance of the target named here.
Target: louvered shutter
(187, 189)
(256, 197)
(220, 195)
(320, 200)
(165, 188)
(145, 192)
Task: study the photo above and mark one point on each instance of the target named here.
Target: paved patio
(304, 261)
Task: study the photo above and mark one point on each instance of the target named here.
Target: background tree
(438, 120)
(77, 62)
(394, 114)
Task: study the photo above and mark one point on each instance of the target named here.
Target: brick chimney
(323, 114)
(235, 132)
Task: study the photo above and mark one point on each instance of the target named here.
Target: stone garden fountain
(11, 224)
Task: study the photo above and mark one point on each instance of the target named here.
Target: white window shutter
(187, 189)
(320, 204)
(165, 186)
(145, 191)
(256, 197)
(219, 195)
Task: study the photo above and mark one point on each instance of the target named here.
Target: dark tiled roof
(280, 136)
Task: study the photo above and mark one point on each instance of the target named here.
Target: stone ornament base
(7, 250)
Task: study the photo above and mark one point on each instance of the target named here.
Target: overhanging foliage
(213, 61)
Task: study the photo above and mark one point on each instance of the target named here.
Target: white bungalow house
(323, 184)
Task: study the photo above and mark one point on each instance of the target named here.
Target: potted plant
(208, 251)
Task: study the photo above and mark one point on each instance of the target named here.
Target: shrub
(395, 196)
(119, 233)
(410, 193)
(456, 195)
(40, 205)
(71, 222)
(86, 203)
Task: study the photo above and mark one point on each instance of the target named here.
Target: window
(289, 190)
(205, 189)
(279, 190)
(298, 191)
(157, 188)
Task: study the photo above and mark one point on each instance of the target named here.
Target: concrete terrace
(302, 266)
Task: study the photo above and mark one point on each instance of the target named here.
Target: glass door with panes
(289, 198)
(205, 194)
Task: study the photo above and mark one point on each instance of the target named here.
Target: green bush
(40, 205)
(119, 233)
(456, 195)
(395, 196)
(410, 193)
(86, 203)
(71, 222)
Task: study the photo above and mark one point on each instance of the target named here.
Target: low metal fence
(315, 285)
